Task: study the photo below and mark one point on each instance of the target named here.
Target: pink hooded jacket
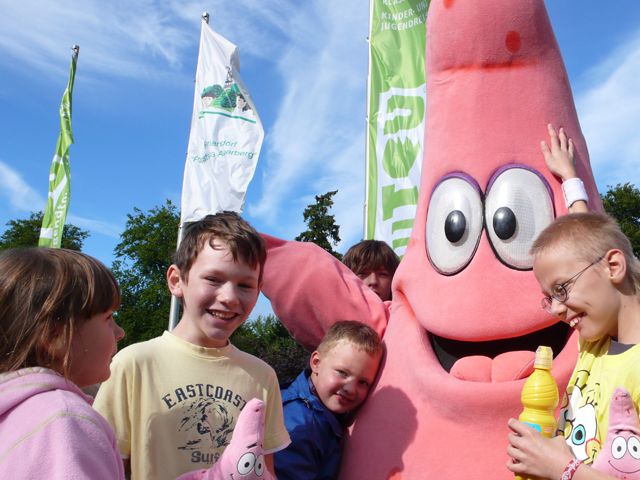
(48, 429)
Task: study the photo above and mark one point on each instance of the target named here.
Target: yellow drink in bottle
(540, 397)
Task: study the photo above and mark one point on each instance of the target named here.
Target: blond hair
(45, 295)
(589, 235)
(362, 336)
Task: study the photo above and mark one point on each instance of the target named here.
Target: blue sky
(305, 64)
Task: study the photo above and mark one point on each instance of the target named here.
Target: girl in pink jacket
(57, 334)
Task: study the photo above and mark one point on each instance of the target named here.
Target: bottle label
(535, 426)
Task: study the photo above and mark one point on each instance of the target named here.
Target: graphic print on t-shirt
(207, 418)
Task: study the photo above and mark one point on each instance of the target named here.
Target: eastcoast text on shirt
(174, 405)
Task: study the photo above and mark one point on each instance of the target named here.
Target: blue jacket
(316, 435)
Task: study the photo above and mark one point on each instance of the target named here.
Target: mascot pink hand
(620, 456)
(243, 458)
(310, 290)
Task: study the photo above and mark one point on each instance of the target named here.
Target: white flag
(226, 133)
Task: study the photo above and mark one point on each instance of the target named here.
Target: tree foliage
(268, 339)
(142, 259)
(321, 227)
(622, 202)
(25, 232)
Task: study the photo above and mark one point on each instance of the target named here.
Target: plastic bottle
(540, 397)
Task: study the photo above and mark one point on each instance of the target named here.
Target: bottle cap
(544, 358)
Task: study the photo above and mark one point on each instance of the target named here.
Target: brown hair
(45, 294)
(362, 336)
(242, 239)
(371, 255)
(589, 235)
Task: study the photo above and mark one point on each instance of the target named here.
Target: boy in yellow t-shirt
(590, 279)
(174, 400)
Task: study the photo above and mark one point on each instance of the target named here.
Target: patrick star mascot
(620, 456)
(244, 456)
(465, 317)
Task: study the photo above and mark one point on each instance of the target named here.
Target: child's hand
(559, 157)
(535, 455)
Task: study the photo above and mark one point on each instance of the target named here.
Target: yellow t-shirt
(174, 405)
(584, 418)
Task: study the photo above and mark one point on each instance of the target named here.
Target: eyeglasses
(560, 292)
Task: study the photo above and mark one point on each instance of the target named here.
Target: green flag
(59, 175)
(395, 118)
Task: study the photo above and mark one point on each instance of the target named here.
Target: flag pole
(55, 212)
(174, 310)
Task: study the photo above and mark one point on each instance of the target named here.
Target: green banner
(395, 120)
(59, 175)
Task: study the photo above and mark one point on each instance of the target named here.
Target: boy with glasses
(591, 280)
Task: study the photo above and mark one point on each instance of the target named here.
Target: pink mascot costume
(465, 317)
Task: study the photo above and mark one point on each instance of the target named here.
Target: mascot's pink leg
(466, 313)
(243, 458)
(620, 456)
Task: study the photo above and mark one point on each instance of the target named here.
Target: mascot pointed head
(495, 80)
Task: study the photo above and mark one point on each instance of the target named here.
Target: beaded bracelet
(570, 469)
(573, 190)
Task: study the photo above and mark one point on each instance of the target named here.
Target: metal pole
(367, 167)
(174, 311)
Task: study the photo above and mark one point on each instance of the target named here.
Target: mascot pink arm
(243, 458)
(465, 317)
(311, 288)
(620, 456)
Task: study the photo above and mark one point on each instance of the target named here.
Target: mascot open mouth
(449, 351)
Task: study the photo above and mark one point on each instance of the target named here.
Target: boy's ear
(174, 282)
(616, 265)
(314, 361)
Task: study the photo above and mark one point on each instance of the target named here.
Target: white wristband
(573, 190)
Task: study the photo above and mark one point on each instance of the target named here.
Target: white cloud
(609, 111)
(116, 38)
(96, 226)
(148, 39)
(258, 28)
(25, 198)
(19, 194)
(316, 143)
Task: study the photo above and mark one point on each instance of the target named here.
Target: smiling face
(93, 345)
(343, 375)
(592, 303)
(217, 295)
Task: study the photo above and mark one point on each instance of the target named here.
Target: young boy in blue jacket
(316, 404)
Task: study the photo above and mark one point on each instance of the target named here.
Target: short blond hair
(589, 235)
(362, 336)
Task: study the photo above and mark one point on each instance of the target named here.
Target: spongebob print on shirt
(578, 419)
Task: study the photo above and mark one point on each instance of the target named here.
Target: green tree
(26, 231)
(268, 339)
(321, 227)
(622, 202)
(142, 259)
